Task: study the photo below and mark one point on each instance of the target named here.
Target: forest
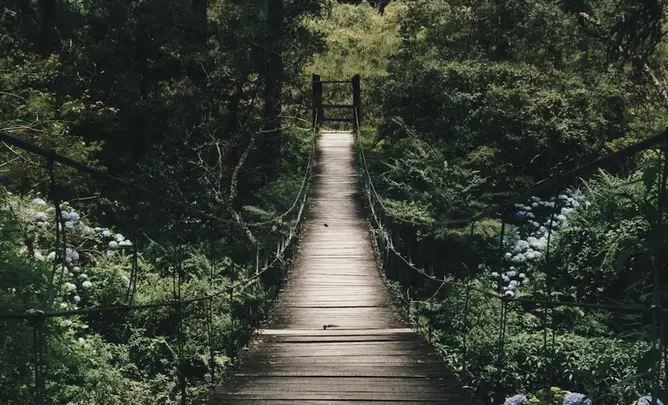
(172, 148)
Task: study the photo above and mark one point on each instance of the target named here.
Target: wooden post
(357, 98)
(318, 111)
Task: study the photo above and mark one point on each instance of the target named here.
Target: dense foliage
(483, 99)
(194, 100)
(466, 103)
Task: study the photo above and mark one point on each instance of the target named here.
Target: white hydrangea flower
(519, 258)
(38, 201)
(76, 299)
(113, 244)
(41, 216)
(71, 286)
(86, 285)
(71, 255)
(119, 238)
(38, 256)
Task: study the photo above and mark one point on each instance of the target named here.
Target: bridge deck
(335, 335)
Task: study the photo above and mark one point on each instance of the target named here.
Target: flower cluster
(78, 236)
(647, 400)
(570, 398)
(573, 398)
(517, 400)
(529, 241)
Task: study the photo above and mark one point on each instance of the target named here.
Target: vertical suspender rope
(548, 307)
(656, 301)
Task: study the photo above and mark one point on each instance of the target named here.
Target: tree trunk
(233, 106)
(273, 81)
(47, 43)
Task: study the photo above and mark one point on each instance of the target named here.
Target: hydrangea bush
(526, 246)
(93, 267)
(101, 358)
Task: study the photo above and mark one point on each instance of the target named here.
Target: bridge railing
(272, 245)
(319, 106)
(436, 298)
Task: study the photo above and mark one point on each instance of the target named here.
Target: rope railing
(302, 189)
(382, 219)
(37, 318)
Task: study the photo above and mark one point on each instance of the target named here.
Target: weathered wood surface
(335, 336)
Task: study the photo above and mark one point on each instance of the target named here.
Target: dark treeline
(200, 101)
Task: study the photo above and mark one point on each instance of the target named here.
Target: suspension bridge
(336, 334)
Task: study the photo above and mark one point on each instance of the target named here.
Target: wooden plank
(334, 335)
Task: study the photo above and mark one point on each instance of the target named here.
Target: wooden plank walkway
(335, 336)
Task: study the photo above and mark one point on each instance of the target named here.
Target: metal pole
(209, 320)
(317, 101)
(38, 354)
(467, 303)
(180, 336)
(548, 307)
(357, 101)
(129, 295)
(656, 323)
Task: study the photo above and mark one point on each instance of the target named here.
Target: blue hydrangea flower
(517, 400)
(574, 398)
(647, 400)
